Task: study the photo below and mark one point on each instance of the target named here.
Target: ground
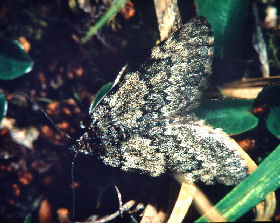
(66, 76)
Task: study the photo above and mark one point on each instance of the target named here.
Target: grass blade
(103, 20)
(252, 190)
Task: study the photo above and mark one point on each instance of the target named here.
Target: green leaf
(3, 107)
(103, 20)
(252, 190)
(268, 96)
(27, 219)
(14, 61)
(273, 121)
(227, 19)
(101, 93)
(232, 115)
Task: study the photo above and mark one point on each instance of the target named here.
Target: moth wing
(178, 69)
(170, 80)
(205, 154)
(178, 146)
(137, 126)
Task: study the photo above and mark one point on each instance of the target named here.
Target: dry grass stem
(152, 215)
(204, 205)
(184, 200)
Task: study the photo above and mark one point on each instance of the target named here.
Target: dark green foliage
(227, 19)
(273, 121)
(268, 98)
(14, 61)
(101, 93)
(27, 219)
(232, 115)
(252, 190)
(3, 107)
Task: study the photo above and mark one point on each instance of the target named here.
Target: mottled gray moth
(145, 122)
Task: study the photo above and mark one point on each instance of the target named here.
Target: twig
(125, 208)
(203, 205)
(184, 200)
(248, 88)
(139, 207)
(151, 214)
(120, 200)
(259, 43)
(133, 219)
(168, 17)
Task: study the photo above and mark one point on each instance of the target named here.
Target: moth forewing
(145, 122)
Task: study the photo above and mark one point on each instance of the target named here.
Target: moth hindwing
(146, 124)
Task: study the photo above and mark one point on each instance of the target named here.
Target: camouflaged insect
(145, 123)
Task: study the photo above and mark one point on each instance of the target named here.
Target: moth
(146, 122)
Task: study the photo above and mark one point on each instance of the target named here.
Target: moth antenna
(47, 117)
(224, 99)
(73, 186)
(66, 136)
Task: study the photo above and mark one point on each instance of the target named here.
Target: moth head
(82, 145)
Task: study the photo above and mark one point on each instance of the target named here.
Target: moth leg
(183, 202)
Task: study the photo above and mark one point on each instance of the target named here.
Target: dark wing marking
(170, 80)
(174, 146)
(145, 124)
(179, 68)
